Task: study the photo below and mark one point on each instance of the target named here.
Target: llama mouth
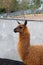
(15, 30)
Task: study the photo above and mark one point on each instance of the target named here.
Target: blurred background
(20, 7)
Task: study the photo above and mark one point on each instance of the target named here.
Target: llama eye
(20, 27)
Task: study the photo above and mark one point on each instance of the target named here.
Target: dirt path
(32, 16)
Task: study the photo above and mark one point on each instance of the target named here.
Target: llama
(30, 54)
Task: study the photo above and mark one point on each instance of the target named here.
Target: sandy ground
(32, 16)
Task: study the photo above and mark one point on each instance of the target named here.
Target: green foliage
(14, 5)
(24, 4)
(2, 10)
(33, 7)
(37, 3)
(10, 5)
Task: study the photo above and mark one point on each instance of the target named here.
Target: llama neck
(24, 43)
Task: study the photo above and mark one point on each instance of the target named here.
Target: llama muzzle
(15, 30)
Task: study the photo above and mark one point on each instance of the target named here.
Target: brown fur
(31, 55)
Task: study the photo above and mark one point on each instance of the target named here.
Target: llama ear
(18, 22)
(25, 22)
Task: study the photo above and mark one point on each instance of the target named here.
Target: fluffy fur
(31, 55)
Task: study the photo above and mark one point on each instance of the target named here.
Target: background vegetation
(17, 5)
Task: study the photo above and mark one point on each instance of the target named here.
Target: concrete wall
(8, 39)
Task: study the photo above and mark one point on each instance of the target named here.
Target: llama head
(21, 27)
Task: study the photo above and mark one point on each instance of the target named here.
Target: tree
(1, 4)
(24, 4)
(37, 3)
(10, 5)
(7, 4)
(15, 5)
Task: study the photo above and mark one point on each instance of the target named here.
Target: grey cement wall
(8, 39)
